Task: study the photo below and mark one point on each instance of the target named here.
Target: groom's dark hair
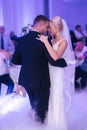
(40, 18)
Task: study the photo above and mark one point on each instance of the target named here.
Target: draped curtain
(15, 14)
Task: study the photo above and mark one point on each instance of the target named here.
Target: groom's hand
(60, 62)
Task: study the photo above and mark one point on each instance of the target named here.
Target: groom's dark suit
(34, 74)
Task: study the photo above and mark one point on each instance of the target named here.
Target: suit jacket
(33, 57)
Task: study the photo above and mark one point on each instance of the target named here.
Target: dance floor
(14, 113)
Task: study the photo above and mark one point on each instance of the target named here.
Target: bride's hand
(43, 38)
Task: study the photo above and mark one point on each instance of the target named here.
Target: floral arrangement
(26, 29)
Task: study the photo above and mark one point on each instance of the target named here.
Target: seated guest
(81, 64)
(4, 73)
(79, 34)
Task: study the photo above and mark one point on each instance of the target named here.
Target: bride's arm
(55, 54)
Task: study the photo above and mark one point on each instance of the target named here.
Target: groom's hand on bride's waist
(60, 62)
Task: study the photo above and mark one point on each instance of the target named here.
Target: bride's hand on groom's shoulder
(43, 38)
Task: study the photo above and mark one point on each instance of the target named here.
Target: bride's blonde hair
(58, 21)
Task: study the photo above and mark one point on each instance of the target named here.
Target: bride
(61, 78)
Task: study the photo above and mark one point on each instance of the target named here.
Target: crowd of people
(45, 60)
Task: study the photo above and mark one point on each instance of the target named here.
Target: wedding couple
(45, 83)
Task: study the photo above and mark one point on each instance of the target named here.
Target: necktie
(2, 42)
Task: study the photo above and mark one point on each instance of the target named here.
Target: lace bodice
(69, 60)
(55, 46)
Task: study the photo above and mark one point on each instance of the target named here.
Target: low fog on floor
(14, 113)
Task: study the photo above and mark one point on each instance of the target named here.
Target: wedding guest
(4, 72)
(81, 68)
(79, 33)
(5, 42)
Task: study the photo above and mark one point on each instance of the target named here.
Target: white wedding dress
(58, 96)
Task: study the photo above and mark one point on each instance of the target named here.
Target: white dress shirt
(78, 54)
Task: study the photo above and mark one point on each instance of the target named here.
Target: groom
(34, 75)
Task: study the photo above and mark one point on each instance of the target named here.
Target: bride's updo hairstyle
(58, 21)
